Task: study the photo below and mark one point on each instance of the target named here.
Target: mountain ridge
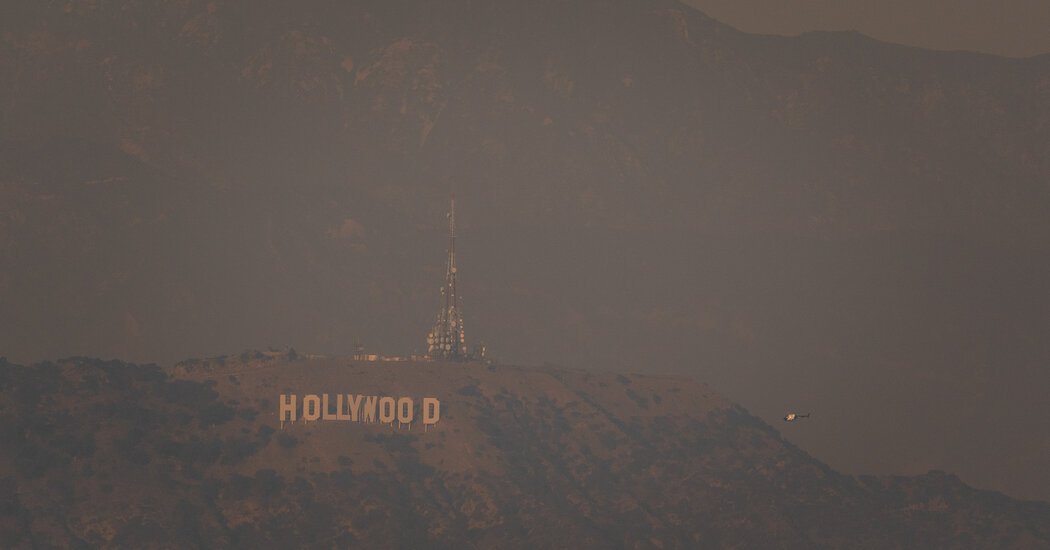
(109, 454)
(822, 220)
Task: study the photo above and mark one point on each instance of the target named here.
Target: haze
(824, 223)
(1015, 28)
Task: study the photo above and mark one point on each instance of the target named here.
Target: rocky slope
(112, 455)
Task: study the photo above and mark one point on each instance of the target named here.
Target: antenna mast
(447, 340)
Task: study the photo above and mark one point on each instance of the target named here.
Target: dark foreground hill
(108, 454)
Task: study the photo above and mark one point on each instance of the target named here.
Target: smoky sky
(822, 223)
(1016, 28)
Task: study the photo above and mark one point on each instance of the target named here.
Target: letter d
(431, 410)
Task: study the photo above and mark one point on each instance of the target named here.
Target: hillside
(825, 222)
(113, 455)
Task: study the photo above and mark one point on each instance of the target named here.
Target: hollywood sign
(358, 408)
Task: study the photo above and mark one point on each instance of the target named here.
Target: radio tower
(446, 340)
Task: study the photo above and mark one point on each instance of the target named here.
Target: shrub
(287, 441)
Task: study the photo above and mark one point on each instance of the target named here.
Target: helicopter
(791, 417)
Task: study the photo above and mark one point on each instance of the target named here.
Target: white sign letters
(358, 408)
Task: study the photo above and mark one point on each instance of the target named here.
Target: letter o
(311, 412)
(405, 410)
(386, 410)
